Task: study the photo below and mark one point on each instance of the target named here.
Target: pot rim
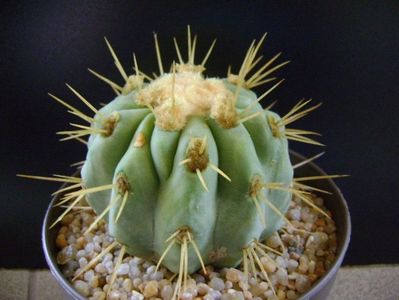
(316, 288)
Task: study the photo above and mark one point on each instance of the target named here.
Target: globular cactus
(189, 170)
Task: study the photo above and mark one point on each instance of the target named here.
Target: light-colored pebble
(89, 247)
(123, 269)
(137, 282)
(282, 277)
(292, 265)
(213, 295)
(127, 284)
(302, 283)
(136, 296)
(94, 281)
(100, 268)
(186, 296)
(202, 288)
(273, 241)
(98, 295)
(217, 284)
(167, 292)
(228, 285)
(259, 289)
(82, 262)
(156, 276)
(82, 287)
(294, 214)
(269, 265)
(233, 275)
(151, 289)
(134, 271)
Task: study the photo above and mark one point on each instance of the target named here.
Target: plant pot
(320, 290)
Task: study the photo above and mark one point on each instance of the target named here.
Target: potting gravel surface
(308, 251)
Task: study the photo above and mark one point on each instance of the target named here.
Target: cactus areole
(188, 170)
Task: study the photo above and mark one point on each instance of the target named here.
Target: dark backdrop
(344, 54)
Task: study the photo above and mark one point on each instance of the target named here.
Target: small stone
(281, 294)
(215, 295)
(137, 282)
(167, 292)
(243, 285)
(88, 275)
(66, 255)
(151, 289)
(253, 281)
(137, 260)
(268, 294)
(228, 284)
(109, 265)
(233, 275)
(81, 253)
(282, 277)
(82, 262)
(162, 283)
(303, 264)
(319, 238)
(247, 295)
(292, 265)
(269, 266)
(136, 296)
(114, 295)
(198, 278)
(217, 284)
(233, 295)
(281, 262)
(302, 283)
(186, 296)
(98, 295)
(134, 271)
(294, 255)
(156, 276)
(71, 240)
(66, 220)
(89, 247)
(63, 230)
(69, 268)
(108, 257)
(259, 289)
(202, 288)
(94, 281)
(60, 241)
(273, 241)
(127, 285)
(294, 214)
(99, 268)
(97, 247)
(123, 269)
(82, 287)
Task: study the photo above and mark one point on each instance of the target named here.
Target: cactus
(189, 170)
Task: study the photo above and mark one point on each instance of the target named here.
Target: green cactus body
(161, 152)
(189, 170)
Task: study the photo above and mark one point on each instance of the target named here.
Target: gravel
(306, 257)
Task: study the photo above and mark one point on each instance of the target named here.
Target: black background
(345, 54)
